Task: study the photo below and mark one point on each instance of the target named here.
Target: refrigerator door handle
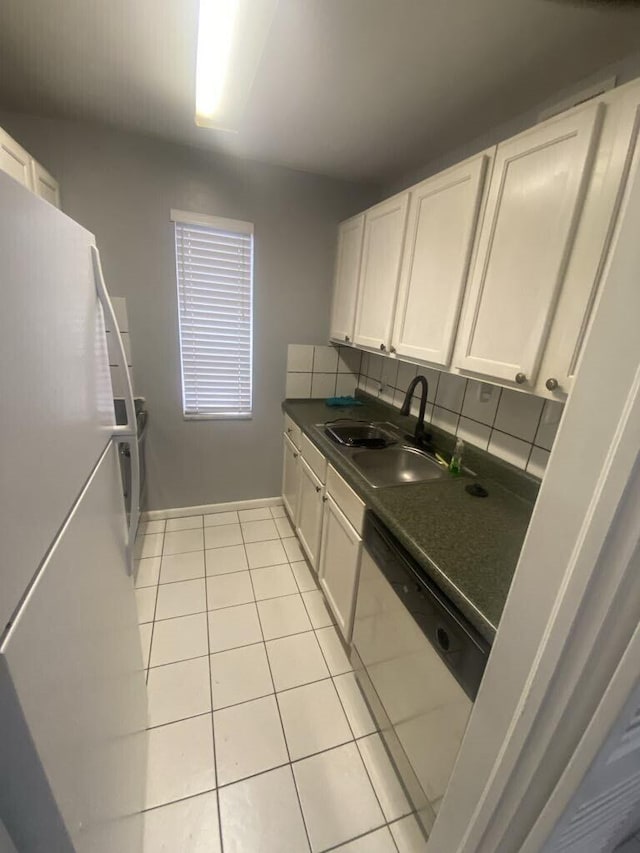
(128, 433)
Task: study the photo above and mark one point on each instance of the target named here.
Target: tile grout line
(359, 837)
(153, 625)
(213, 733)
(284, 735)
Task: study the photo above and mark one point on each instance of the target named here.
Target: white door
(73, 710)
(14, 160)
(290, 479)
(309, 512)
(345, 285)
(384, 227)
(535, 198)
(339, 565)
(441, 227)
(44, 184)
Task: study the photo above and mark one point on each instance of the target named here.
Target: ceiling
(362, 89)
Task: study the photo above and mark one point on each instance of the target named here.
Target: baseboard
(205, 509)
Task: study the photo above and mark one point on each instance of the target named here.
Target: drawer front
(292, 430)
(314, 459)
(346, 499)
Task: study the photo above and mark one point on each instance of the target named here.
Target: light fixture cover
(231, 38)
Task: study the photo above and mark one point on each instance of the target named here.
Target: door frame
(537, 676)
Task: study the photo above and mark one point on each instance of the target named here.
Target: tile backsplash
(514, 426)
(322, 371)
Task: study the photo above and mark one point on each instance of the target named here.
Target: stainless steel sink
(350, 433)
(395, 466)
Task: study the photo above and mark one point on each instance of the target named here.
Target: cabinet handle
(324, 498)
(551, 384)
(295, 455)
(392, 349)
(347, 338)
(289, 430)
(382, 347)
(521, 378)
(318, 488)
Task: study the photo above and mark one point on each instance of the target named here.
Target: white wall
(122, 186)
(624, 71)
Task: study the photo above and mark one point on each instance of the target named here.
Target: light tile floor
(259, 739)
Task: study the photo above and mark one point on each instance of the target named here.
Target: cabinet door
(535, 199)
(15, 160)
(44, 184)
(339, 565)
(384, 227)
(440, 232)
(617, 157)
(345, 286)
(309, 512)
(290, 479)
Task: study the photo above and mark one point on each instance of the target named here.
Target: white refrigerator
(72, 690)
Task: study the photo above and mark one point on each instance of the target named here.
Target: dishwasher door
(418, 667)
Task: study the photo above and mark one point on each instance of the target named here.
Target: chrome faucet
(419, 435)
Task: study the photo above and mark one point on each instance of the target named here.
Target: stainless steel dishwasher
(419, 664)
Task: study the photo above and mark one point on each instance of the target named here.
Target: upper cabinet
(44, 184)
(20, 165)
(437, 250)
(617, 154)
(493, 267)
(384, 229)
(15, 160)
(535, 199)
(345, 286)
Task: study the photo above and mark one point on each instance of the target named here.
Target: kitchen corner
(468, 546)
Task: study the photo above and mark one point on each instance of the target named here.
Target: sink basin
(396, 466)
(359, 434)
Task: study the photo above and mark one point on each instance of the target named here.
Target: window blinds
(214, 260)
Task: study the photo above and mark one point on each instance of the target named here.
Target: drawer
(314, 459)
(346, 499)
(292, 430)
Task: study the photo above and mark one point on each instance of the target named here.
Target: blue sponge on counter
(339, 402)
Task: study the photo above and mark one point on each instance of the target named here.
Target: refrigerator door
(56, 406)
(72, 690)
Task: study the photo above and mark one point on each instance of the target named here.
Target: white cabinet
(15, 160)
(310, 505)
(290, 479)
(345, 285)
(441, 225)
(44, 185)
(20, 165)
(534, 203)
(384, 228)
(617, 152)
(339, 565)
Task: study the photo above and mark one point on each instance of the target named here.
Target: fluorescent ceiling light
(231, 38)
(216, 25)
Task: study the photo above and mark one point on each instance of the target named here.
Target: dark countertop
(469, 546)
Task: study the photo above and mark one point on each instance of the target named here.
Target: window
(214, 263)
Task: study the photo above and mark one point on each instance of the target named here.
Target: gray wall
(625, 70)
(122, 187)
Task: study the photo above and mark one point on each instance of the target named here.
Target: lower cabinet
(327, 520)
(290, 479)
(309, 526)
(339, 565)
